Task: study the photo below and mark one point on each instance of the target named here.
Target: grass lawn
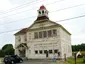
(1, 59)
(71, 61)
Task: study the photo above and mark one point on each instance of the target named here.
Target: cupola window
(43, 12)
(39, 12)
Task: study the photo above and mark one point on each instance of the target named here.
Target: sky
(18, 14)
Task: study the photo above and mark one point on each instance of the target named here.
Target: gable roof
(24, 30)
(41, 18)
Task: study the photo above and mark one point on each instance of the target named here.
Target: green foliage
(7, 50)
(1, 53)
(78, 61)
(80, 47)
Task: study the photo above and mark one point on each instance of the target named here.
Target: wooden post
(65, 57)
(75, 57)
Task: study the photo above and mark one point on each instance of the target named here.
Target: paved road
(41, 62)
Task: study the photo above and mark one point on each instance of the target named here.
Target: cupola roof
(42, 7)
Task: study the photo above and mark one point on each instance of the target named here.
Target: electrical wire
(51, 12)
(27, 5)
(56, 21)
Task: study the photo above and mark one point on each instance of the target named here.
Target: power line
(10, 31)
(69, 7)
(20, 6)
(71, 18)
(57, 21)
(26, 6)
(51, 12)
(17, 20)
(28, 9)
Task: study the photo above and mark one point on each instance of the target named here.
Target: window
(40, 51)
(43, 12)
(54, 32)
(25, 38)
(40, 34)
(36, 35)
(19, 38)
(36, 52)
(45, 51)
(49, 33)
(50, 51)
(44, 34)
(39, 12)
(55, 51)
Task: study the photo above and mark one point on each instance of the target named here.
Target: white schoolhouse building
(43, 39)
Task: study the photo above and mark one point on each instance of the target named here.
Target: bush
(84, 59)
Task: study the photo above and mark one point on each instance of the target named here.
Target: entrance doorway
(22, 53)
(22, 49)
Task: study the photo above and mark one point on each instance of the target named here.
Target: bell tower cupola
(42, 11)
(42, 14)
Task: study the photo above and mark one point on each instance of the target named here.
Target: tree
(78, 47)
(2, 53)
(8, 49)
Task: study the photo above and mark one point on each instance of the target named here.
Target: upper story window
(49, 33)
(36, 35)
(19, 38)
(44, 34)
(25, 38)
(54, 32)
(40, 34)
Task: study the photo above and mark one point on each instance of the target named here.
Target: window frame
(39, 12)
(40, 35)
(45, 51)
(50, 51)
(44, 34)
(35, 35)
(54, 32)
(49, 33)
(40, 52)
(43, 11)
(55, 51)
(36, 51)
